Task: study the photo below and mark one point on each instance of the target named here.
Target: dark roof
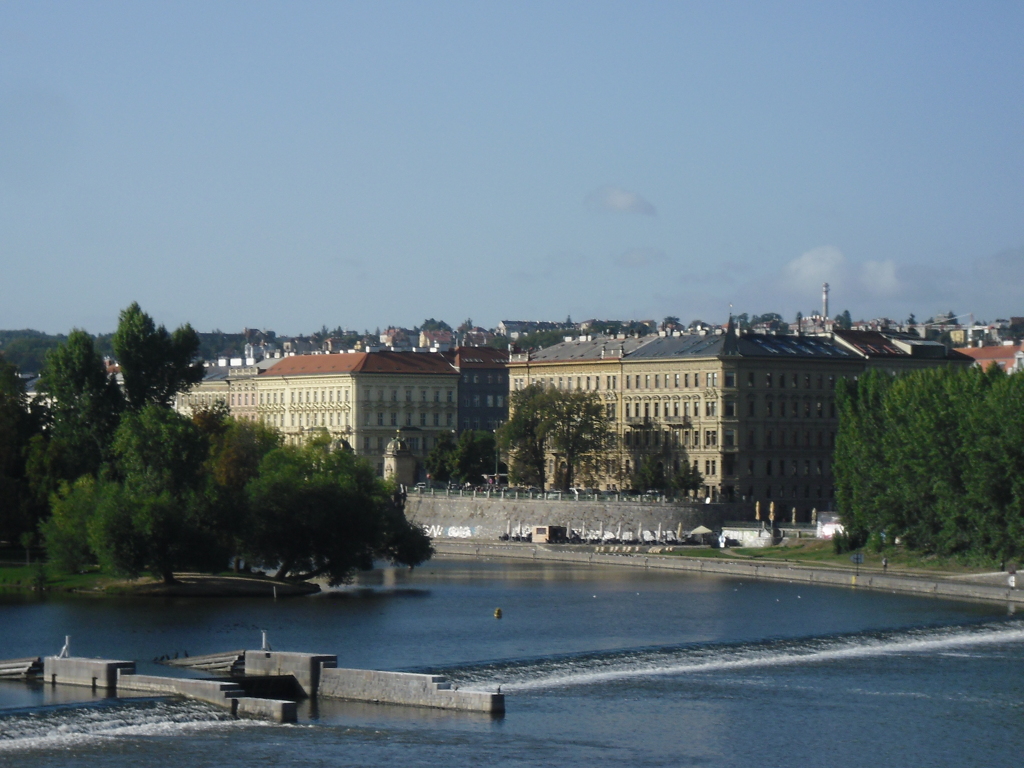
(746, 345)
(589, 350)
(363, 362)
(478, 357)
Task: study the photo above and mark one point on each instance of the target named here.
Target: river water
(600, 666)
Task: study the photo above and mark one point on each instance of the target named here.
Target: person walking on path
(885, 563)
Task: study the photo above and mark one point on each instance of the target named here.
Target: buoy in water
(497, 613)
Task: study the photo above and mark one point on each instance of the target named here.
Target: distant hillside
(27, 348)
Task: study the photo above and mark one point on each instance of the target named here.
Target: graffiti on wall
(449, 532)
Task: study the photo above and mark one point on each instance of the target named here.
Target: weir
(313, 674)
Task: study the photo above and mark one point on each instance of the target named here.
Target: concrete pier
(95, 673)
(405, 688)
(304, 667)
(211, 691)
(278, 710)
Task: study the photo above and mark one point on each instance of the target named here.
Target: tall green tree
(83, 405)
(317, 512)
(155, 364)
(439, 460)
(154, 514)
(572, 425)
(577, 431)
(524, 436)
(474, 456)
(17, 428)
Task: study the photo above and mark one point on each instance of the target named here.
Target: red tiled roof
(362, 362)
(1003, 352)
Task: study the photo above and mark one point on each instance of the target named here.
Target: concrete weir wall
(304, 667)
(464, 517)
(210, 691)
(405, 688)
(74, 670)
(223, 694)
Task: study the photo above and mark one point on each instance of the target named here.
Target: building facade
(364, 399)
(755, 414)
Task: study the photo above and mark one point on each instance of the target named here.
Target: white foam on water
(698, 659)
(66, 726)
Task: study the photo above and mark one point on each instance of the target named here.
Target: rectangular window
(366, 443)
(750, 378)
(769, 407)
(750, 408)
(647, 381)
(628, 383)
(423, 419)
(490, 401)
(500, 401)
(380, 419)
(730, 408)
(686, 380)
(751, 439)
(451, 395)
(394, 419)
(437, 419)
(730, 378)
(448, 419)
(675, 409)
(636, 381)
(768, 380)
(729, 438)
(656, 409)
(657, 381)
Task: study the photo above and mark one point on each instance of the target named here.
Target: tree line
(112, 474)
(573, 427)
(934, 458)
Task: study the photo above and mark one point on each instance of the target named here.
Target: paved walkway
(989, 587)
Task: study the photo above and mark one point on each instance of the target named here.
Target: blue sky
(288, 165)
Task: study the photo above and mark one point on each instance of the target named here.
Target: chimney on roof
(824, 300)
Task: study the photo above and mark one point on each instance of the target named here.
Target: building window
(769, 408)
(380, 419)
(768, 439)
(394, 419)
(730, 408)
(675, 409)
(730, 378)
(423, 419)
(768, 380)
(437, 419)
(751, 439)
(729, 437)
(451, 395)
(476, 401)
(408, 419)
(711, 408)
(500, 400)
(448, 419)
(490, 401)
(656, 409)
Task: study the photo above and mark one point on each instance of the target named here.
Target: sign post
(857, 559)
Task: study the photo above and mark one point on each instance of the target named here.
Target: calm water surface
(601, 666)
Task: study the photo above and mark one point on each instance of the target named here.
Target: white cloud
(819, 265)
(619, 201)
(879, 278)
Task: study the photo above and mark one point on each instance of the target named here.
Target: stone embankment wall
(838, 577)
(75, 670)
(465, 517)
(405, 688)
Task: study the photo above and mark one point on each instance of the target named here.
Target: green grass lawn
(815, 552)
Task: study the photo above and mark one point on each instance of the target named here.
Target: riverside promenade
(983, 587)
